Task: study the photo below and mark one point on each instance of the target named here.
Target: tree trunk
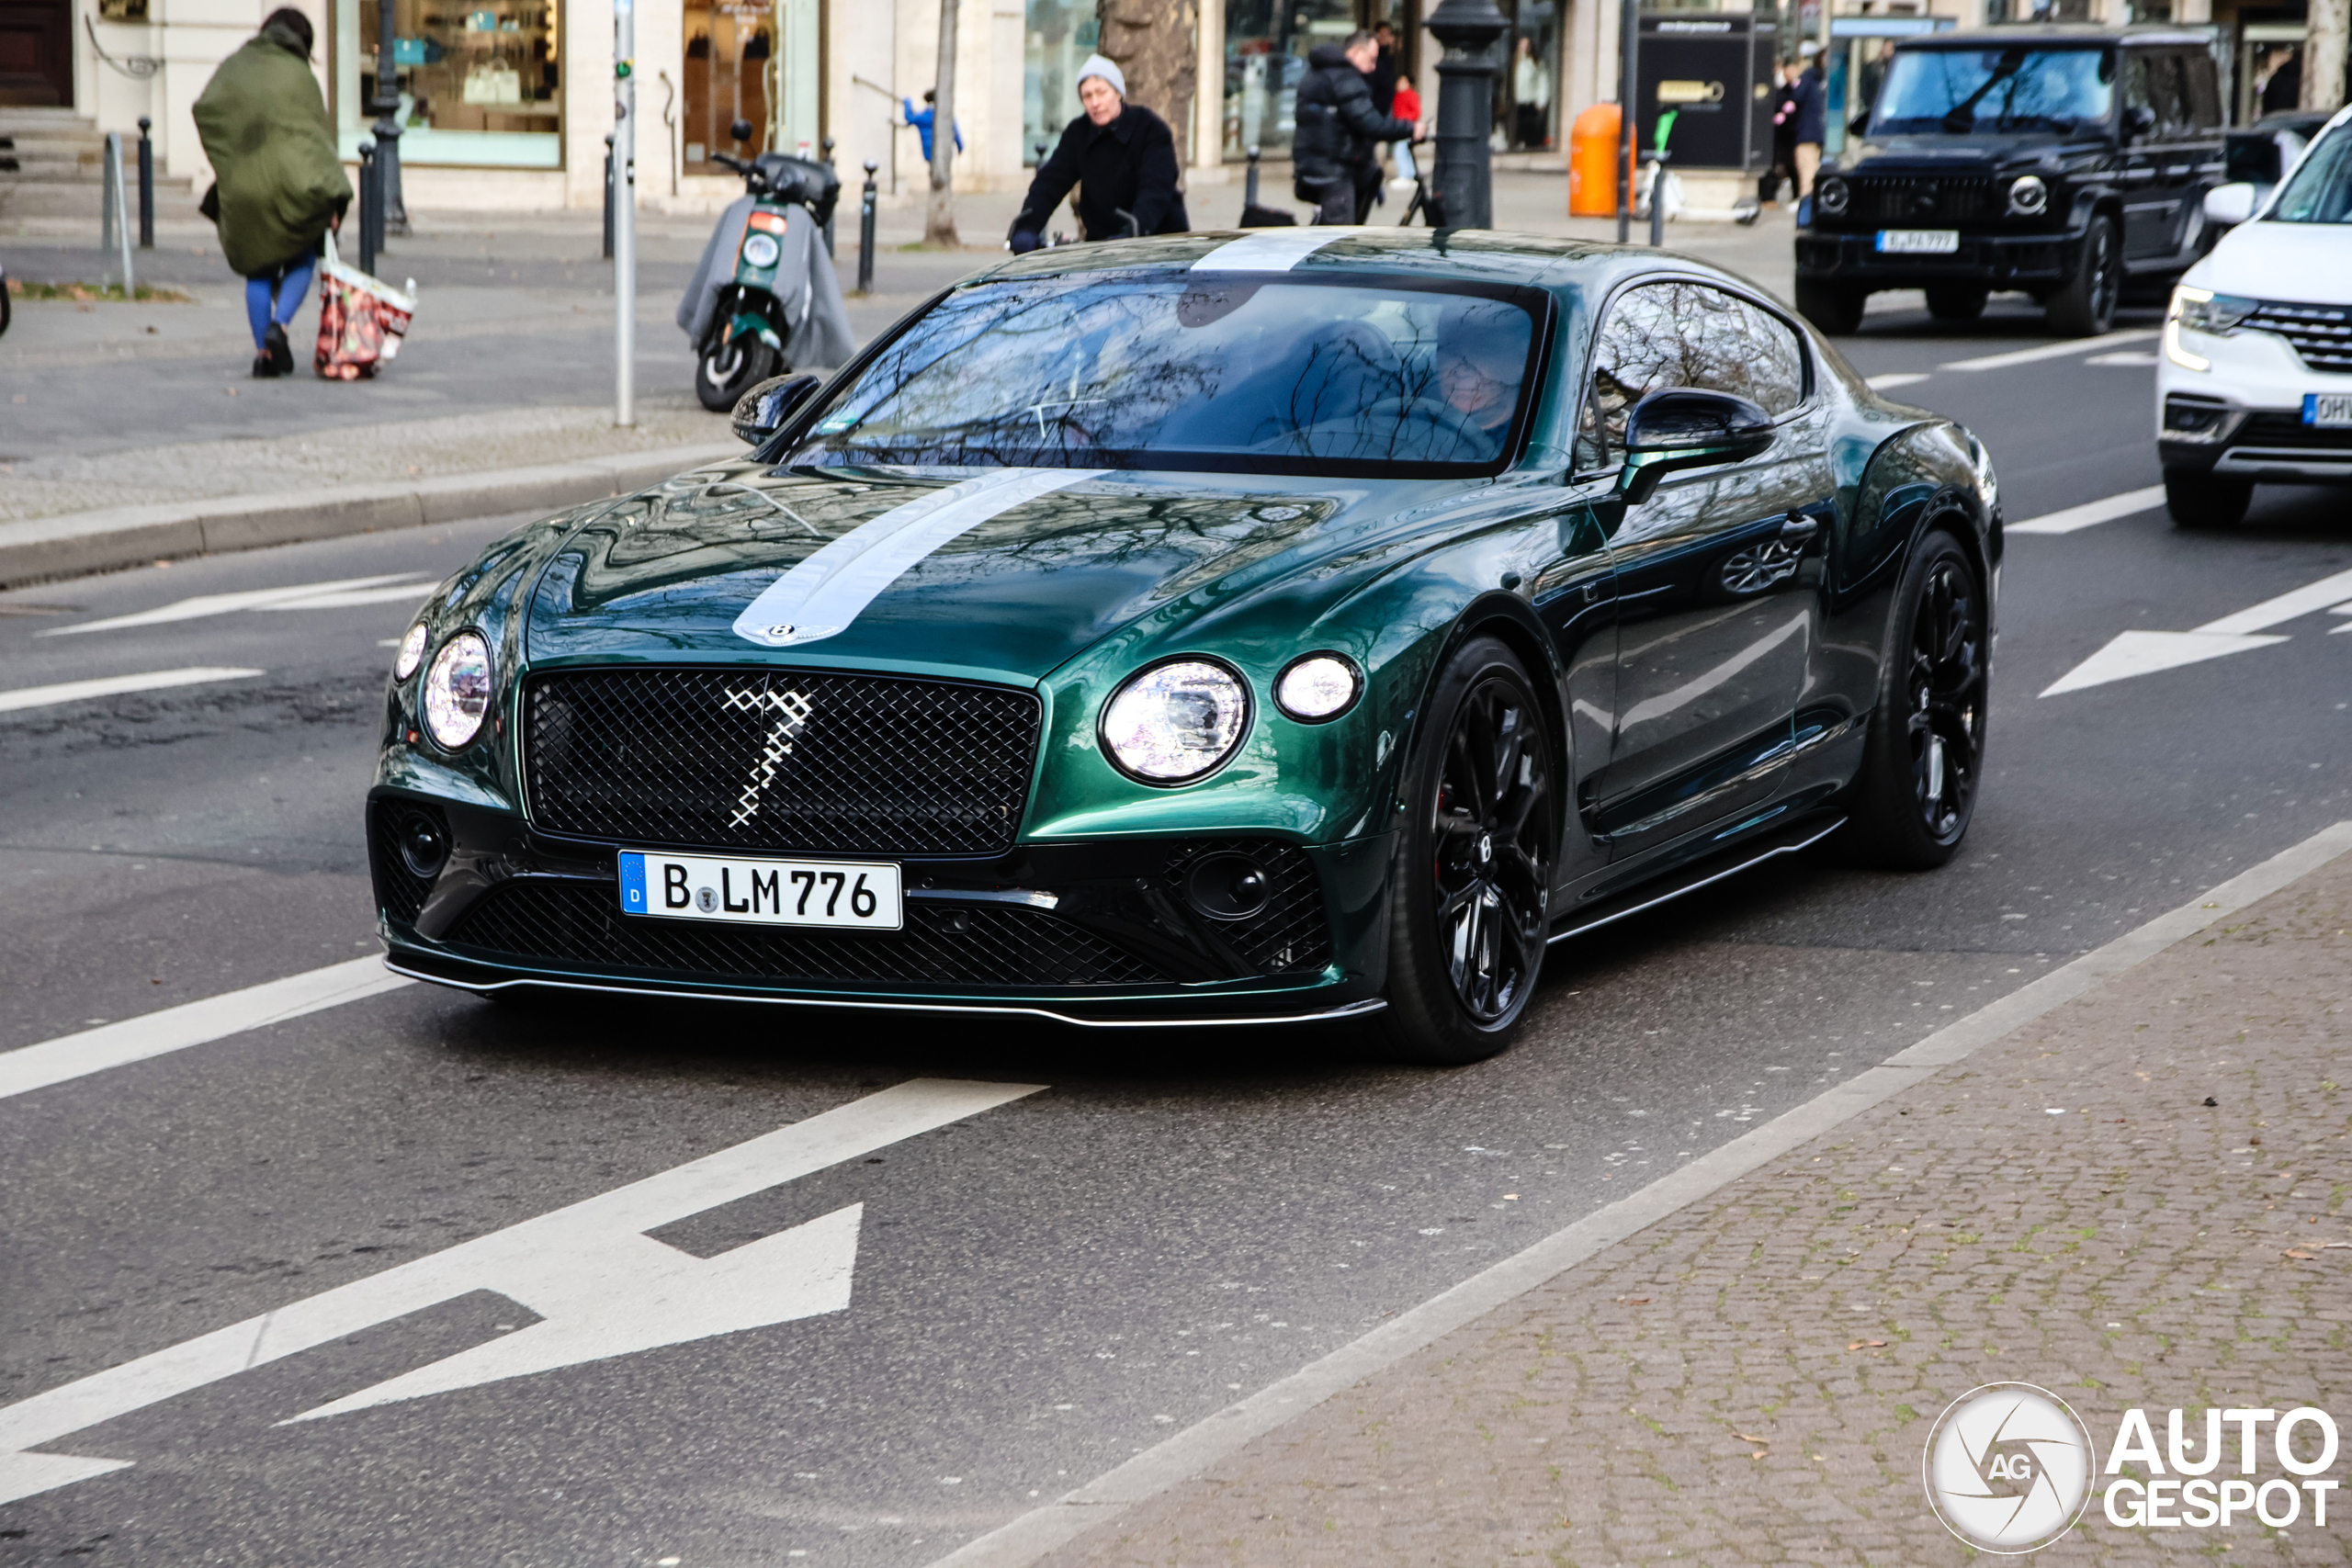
(2324, 51)
(939, 224)
(1155, 44)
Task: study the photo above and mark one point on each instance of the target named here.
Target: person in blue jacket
(1810, 101)
(921, 118)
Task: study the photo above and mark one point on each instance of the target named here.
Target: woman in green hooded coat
(278, 183)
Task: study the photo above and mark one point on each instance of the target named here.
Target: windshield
(1244, 376)
(1964, 92)
(2320, 190)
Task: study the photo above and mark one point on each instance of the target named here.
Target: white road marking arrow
(2144, 653)
(602, 1286)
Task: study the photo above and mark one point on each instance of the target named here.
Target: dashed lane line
(2092, 513)
(29, 1067)
(115, 685)
(2050, 351)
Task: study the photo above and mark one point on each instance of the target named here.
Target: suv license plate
(856, 894)
(1918, 241)
(2329, 411)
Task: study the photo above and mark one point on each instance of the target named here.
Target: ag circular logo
(2009, 1468)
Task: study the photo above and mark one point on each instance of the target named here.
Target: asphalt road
(1040, 1289)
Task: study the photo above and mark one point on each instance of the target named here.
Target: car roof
(2059, 34)
(1470, 255)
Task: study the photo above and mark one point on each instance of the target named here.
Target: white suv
(2256, 381)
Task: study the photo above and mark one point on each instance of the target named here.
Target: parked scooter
(745, 343)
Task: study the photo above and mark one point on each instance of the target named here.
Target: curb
(75, 544)
(1197, 1449)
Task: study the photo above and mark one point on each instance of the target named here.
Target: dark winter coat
(1383, 85)
(280, 182)
(1812, 118)
(1338, 129)
(1129, 164)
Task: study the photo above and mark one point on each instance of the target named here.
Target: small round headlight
(1318, 687)
(411, 653)
(456, 691)
(1176, 721)
(761, 250)
(2027, 195)
(1831, 196)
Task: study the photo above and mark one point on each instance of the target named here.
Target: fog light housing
(2194, 419)
(1227, 886)
(423, 843)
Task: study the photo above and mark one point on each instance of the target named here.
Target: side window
(1661, 335)
(2137, 92)
(2152, 80)
(2203, 91)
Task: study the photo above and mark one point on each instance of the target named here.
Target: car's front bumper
(1098, 932)
(2038, 261)
(2246, 392)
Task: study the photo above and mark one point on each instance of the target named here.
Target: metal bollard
(1657, 202)
(828, 161)
(146, 185)
(114, 219)
(608, 196)
(1249, 182)
(865, 207)
(368, 203)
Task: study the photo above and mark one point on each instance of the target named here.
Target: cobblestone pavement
(2138, 1200)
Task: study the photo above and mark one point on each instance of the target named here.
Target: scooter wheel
(728, 370)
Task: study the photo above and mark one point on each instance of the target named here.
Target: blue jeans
(278, 293)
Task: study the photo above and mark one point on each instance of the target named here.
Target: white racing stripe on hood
(1270, 250)
(824, 594)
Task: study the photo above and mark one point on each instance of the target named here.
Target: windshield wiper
(1960, 119)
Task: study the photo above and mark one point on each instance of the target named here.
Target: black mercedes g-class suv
(2069, 162)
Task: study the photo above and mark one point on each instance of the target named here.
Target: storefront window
(729, 43)
(481, 88)
(1061, 34)
(1524, 94)
(1265, 58)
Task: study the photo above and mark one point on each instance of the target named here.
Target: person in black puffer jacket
(1122, 158)
(1334, 152)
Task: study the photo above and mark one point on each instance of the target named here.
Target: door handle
(1799, 529)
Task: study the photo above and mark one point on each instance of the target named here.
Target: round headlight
(761, 250)
(1831, 196)
(1176, 721)
(411, 653)
(1319, 686)
(456, 691)
(2027, 195)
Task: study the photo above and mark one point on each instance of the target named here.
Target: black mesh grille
(2276, 429)
(400, 892)
(1918, 201)
(2320, 334)
(1290, 934)
(574, 923)
(779, 760)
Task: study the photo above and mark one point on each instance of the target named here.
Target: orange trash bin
(1592, 156)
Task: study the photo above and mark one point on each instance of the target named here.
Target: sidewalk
(2138, 1199)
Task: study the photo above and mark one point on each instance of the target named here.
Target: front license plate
(1918, 241)
(856, 894)
(2328, 410)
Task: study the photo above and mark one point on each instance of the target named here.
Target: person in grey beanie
(1122, 158)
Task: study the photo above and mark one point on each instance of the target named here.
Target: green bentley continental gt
(1215, 628)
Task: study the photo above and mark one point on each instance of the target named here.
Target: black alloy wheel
(2083, 306)
(1924, 757)
(1470, 888)
(2206, 500)
(729, 370)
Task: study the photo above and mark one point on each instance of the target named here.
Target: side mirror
(1685, 428)
(761, 412)
(1858, 124)
(2226, 205)
(740, 131)
(2138, 120)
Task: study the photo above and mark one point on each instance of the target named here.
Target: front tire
(2083, 306)
(729, 370)
(2205, 502)
(1470, 887)
(1924, 759)
(1835, 307)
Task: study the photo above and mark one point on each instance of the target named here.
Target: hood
(1325, 56)
(2310, 262)
(998, 574)
(1960, 154)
